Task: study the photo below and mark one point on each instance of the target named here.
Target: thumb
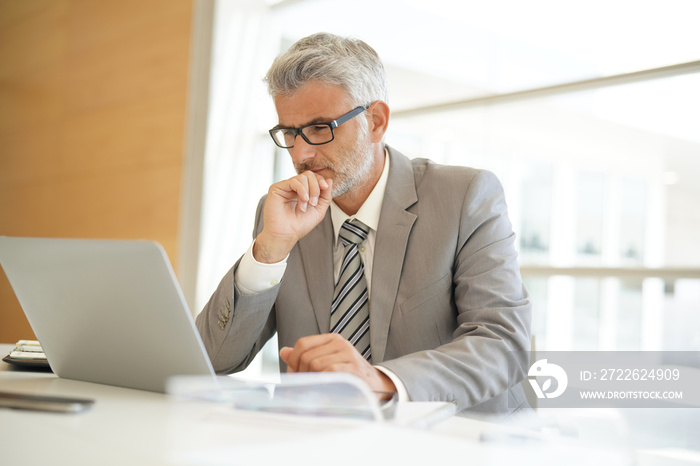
(285, 353)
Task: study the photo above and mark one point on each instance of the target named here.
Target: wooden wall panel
(92, 118)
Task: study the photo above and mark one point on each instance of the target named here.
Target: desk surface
(127, 426)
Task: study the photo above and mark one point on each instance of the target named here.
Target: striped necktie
(350, 306)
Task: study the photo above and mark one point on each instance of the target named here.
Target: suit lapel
(317, 257)
(394, 228)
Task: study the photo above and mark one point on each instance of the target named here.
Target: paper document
(310, 394)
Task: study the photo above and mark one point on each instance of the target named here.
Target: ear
(378, 120)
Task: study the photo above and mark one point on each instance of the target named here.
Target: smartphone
(44, 403)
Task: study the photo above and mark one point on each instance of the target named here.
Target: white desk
(132, 427)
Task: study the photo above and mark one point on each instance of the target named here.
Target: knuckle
(335, 367)
(305, 359)
(345, 343)
(302, 345)
(315, 365)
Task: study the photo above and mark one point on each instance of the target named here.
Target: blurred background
(133, 119)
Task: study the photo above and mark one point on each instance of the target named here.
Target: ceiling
(459, 49)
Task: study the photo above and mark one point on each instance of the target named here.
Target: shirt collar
(370, 210)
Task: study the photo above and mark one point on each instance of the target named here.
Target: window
(588, 116)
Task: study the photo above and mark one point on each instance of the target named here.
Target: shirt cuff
(400, 387)
(255, 277)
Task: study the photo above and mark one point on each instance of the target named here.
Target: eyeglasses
(315, 134)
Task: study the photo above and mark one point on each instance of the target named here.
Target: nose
(302, 151)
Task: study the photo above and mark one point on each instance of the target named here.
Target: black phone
(44, 403)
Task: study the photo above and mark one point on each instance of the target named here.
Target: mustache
(306, 166)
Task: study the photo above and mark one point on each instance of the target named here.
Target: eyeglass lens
(314, 134)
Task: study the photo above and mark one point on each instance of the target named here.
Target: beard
(353, 169)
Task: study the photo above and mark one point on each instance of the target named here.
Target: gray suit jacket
(448, 309)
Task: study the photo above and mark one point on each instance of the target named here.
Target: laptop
(110, 312)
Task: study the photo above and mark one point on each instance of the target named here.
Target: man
(420, 293)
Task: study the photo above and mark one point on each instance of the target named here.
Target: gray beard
(352, 172)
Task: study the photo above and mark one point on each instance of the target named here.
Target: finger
(334, 350)
(303, 346)
(300, 184)
(318, 358)
(341, 366)
(326, 192)
(323, 182)
(292, 189)
(336, 360)
(285, 352)
(295, 189)
(313, 182)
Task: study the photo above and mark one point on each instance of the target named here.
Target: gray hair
(331, 59)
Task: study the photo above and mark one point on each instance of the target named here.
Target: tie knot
(354, 232)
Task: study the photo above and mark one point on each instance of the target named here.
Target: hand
(292, 209)
(330, 352)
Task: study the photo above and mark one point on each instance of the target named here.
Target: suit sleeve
(491, 305)
(234, 327)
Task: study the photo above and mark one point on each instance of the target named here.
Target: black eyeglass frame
(332, 125)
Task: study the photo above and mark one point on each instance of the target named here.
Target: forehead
(313, 102)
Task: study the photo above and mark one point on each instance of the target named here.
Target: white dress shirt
(254, 277)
